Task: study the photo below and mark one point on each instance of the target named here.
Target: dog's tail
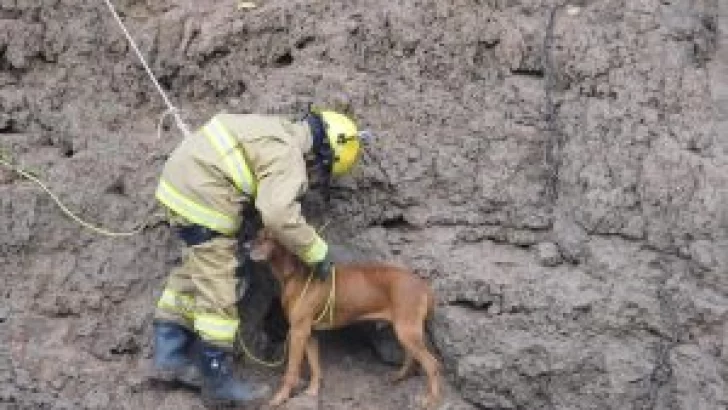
(430, 305)
(429, 317)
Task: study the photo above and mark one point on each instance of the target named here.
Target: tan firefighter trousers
(201, 294)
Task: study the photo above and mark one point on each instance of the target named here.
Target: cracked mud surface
(559, 173)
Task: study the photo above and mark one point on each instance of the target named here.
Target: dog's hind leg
(314, 365)
(409, 327)
(412, 340)
(405, 370)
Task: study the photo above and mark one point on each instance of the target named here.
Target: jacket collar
(301, 133)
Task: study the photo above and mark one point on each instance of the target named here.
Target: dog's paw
(278, 399)
(312, 391)
(428, 402)
(397, 376)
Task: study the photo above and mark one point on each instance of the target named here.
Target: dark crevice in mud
(67, 151)
(125, 350)
(705, 43)
(395, 222)
(618, 235)
(304, 42)
(528, 72)
(284, 60)
(118, 187)
(472, 304)
(555, 144)
(9, 127)
(215, 55)
(166, 80)
(662, 373)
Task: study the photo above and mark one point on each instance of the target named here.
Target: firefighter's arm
(282, 181)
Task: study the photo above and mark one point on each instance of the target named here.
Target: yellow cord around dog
(328, 309)
(262, 362)
(65, 210)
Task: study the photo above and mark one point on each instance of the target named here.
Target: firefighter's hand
(322, 270)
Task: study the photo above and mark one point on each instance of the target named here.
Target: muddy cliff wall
(558, 171)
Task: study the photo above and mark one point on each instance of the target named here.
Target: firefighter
(232, 162)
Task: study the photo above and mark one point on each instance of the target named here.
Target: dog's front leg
(300, 331)
(314, 365)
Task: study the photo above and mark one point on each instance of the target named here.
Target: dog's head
(266, 248)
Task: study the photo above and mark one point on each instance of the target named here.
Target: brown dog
(363, 291)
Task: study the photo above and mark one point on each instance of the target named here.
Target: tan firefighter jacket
(236, 159)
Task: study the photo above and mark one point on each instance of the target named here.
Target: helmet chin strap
(322, 152)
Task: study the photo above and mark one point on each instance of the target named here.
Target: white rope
(160, 122)
(171, 109)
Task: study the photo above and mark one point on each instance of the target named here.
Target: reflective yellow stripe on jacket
(226, 145)
(193, 211)
(316, 252)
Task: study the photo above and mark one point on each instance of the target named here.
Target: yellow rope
(58, 202)
(262, 362)
(329, 307)
(330, 301)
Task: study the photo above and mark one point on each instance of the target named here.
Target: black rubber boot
(219, 382)
(173, 345)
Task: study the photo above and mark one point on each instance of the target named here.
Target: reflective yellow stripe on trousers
(177, 303)
(193, 211)
(228, 149)
(215, 328)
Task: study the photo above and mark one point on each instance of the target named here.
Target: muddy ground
(558, 170)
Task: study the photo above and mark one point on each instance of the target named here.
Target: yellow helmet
(343, 138)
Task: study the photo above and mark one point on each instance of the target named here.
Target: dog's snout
(261, 249)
